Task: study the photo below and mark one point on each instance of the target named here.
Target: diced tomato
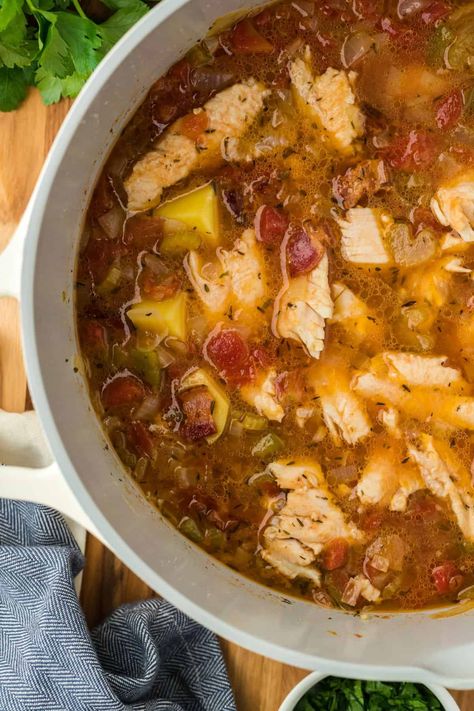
(289, 386)
(264, 18)
(193, 125)
(302, 252)
(270, 225)
(205, 506)
(367, 9)
(336, 9)
(424, 507)
(422, 218)
(447, 578)
(103, 198)
(335, 554)
(404, 38)
(270, 488)
(435, 12)
(463, 153)
(388, 26)
(93, 336)
(229, 354)
(121, 391)
(141, 438)
(98, 256)
(142, 231)
(165, 289)
(335, 582)
(414, 151)
(372, 520)
(449, 110)
(246, 39)
(261, 357)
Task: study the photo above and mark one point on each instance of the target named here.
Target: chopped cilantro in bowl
(320, 693)
(333, 694)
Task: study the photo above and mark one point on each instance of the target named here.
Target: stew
(275, 299)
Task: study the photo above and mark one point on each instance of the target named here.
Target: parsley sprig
(55, 46)
(334, 694)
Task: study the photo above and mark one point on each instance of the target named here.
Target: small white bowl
(312, 679)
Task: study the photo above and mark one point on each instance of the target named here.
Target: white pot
(405, 646)
(311, 680)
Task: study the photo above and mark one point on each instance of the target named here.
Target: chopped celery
(199, 55)
(460, 51)
(268, 446)
(438, 43)
(166, 317)
(466, 593)
(254, 423)
(147, 364)
(189, 527)
(139, 472)
(180, 242)
(220, 414)
(119, 356)
(198, 210)
(111, 281)
(170, 511)
(214, 539)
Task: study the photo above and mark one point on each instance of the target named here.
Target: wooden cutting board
(25, 138)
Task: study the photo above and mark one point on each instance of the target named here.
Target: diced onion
(406, 8)
(112, 222)
(164, 356)
(339, 475)
(149, 407)
(236, 429)
(466, 593)
(185, 477)
(355, 47)
(156, 265)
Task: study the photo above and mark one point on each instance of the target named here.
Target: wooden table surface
(25, 138)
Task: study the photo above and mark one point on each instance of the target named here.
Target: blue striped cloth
(144, 657)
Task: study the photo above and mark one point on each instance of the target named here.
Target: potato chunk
(165, 318)
(197, 210)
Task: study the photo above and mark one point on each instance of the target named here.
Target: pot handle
(46, 486)
(42, 485)
(11, 259)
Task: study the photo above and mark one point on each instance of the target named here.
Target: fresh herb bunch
(333, 694)
(55, 46)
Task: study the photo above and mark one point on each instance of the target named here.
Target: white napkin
(22, 443)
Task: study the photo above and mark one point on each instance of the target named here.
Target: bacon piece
(197, 405)
(362, 181)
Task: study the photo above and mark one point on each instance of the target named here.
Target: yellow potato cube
(166, 317)
(198, 210)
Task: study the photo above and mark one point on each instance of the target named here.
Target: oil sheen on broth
(275, 300)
